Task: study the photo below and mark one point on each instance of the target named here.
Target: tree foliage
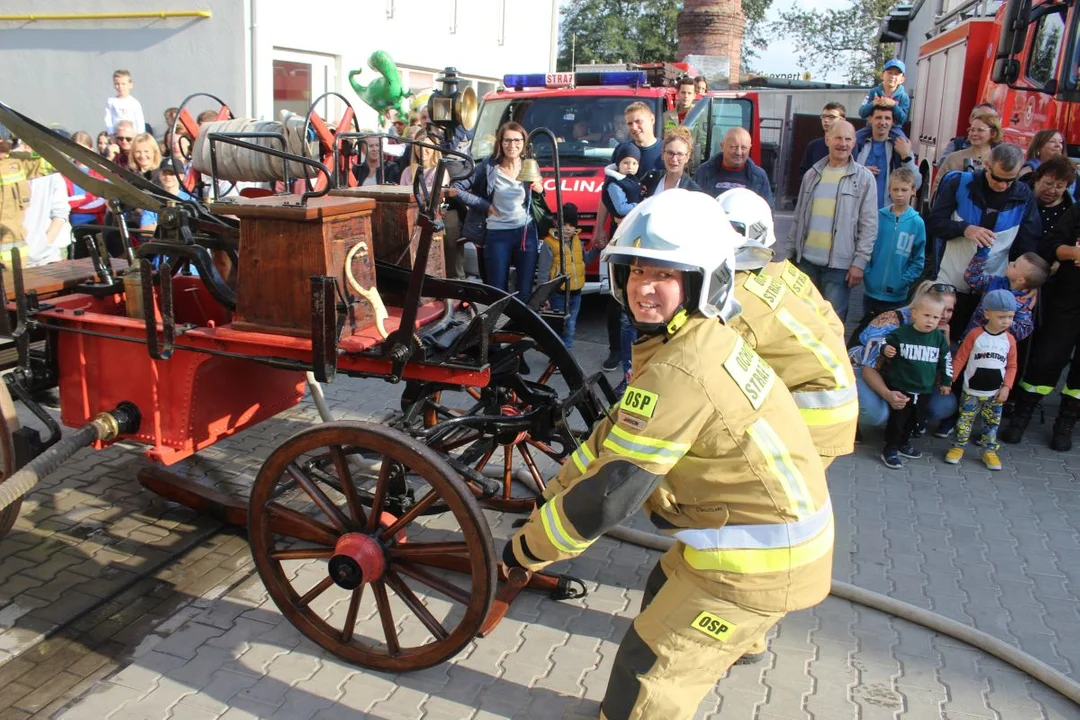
(611, 31)
(845, 39)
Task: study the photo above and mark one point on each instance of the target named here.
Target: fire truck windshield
(588, 126)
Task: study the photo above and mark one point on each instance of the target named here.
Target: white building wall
(61, 71)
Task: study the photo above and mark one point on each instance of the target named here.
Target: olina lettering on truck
(585, 111)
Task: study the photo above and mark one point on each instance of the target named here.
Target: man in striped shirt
(835, 224)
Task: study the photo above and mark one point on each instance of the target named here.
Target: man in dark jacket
(982, 208)
(733, 168)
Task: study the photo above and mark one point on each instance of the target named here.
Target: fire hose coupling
(107, 426)
(124, 420)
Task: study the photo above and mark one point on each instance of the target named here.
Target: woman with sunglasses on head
(984, 133)
(875, 397)
(499, 214)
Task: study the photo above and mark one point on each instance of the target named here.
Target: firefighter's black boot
(1023, 407)
(1063, 425)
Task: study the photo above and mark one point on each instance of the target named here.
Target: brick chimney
(713, 28)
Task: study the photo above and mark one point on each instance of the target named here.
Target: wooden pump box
(396, 230)
(283, 244)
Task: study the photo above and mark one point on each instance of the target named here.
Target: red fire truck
(585, 111)
(1024, 59)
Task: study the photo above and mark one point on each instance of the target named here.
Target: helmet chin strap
(668, 329)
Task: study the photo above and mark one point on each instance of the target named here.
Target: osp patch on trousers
(678, 647)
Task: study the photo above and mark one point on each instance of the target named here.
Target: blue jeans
(832, 282)
(874, 411)
(558, 304)
(517, 245)
(627, 338)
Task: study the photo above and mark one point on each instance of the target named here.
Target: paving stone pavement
(195, 635)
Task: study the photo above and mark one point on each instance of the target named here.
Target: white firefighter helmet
(752, 218)
(681, 230)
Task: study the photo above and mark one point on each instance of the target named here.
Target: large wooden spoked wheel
(361, 581)
(9, 423)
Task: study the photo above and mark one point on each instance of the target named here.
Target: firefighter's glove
(509, 559)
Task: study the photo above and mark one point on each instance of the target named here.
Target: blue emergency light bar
(633, 78)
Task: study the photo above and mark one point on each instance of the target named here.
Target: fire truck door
(712, 117)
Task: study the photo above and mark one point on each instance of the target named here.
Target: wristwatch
(906, 160)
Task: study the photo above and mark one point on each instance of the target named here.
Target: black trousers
(1055, 347)
(901, 423)
(614, 316)
(966, 304)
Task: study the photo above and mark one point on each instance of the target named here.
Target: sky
(782, 57)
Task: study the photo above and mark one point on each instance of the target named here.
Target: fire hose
(845, 591)
(107, 426)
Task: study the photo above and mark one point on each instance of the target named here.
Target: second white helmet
(751, 217)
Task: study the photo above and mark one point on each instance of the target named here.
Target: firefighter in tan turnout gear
(790, 333)
(709, 440)
(16, 171)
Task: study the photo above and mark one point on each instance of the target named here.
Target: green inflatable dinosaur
(385, 92)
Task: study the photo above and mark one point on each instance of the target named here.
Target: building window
(292, 87)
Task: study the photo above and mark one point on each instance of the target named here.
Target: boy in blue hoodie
(897, 261)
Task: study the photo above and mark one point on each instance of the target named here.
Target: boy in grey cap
(987, 361)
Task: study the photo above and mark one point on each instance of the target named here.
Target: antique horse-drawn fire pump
(209, 328)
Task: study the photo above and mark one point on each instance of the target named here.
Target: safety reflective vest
(801, 284)
(741, 486)
(810, 359)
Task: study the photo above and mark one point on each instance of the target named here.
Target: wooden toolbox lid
(288, 207)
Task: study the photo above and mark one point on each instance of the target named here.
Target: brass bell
(530, 171)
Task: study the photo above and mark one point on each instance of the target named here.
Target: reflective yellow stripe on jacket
(762, 558)
(822, 407)
(780, 464)
(11, 178)
(582, 457)
(769, 547)
(556, 531)
(644, 449)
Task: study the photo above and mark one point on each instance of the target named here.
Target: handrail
(162, 15)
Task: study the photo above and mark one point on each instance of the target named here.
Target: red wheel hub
(358, 559)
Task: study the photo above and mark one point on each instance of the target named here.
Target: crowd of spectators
(994, 219)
